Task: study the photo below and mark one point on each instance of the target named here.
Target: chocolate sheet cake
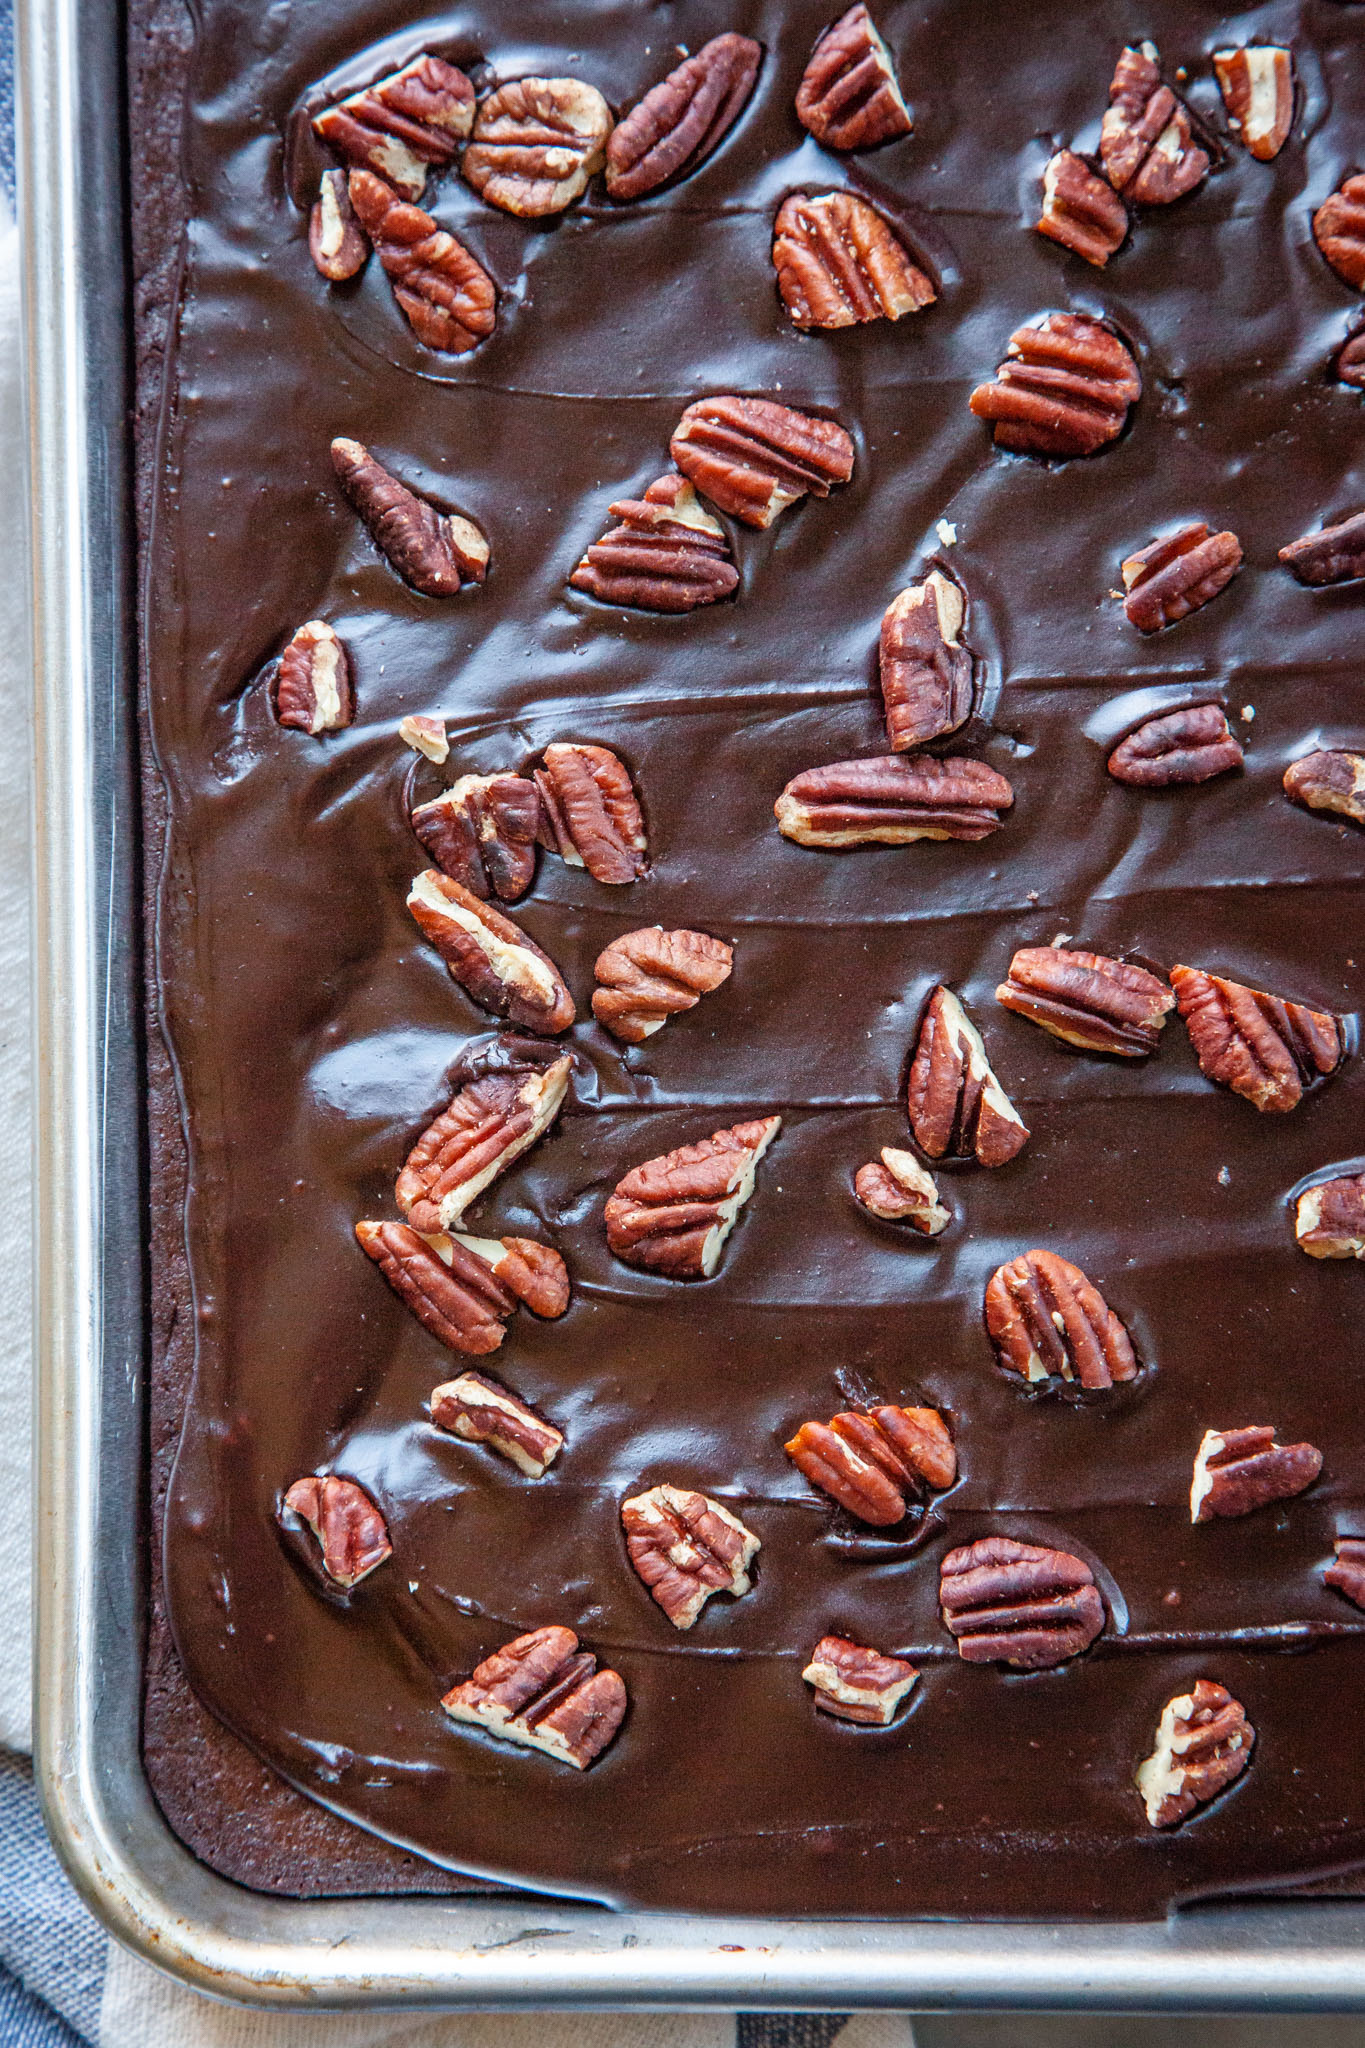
(754, 786)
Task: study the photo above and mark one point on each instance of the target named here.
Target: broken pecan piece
(1257, 85)
(480, 1411)
(1347, 1571)
(492, 959)
(839, 261)
(311, 690)
(754, 457)
(848, 97)
(1147, 145)
(545, 1693)
(536, 143)
(1261, 1046)
(1088, 1000)
(589, 812)
(452, 1292)
(667, 555)
(352, 1534)
(425, 735)
(683, 118)
(1047, 1319)
(891, 800)
(1081, 210)
(482, 832)
(1237, 1471)
(1177, 575)
(1019, 1604)
(434, 552)
(673, 1214)
(1177, 747)
(534, 1273)
(337, 243)
(1329, 782)
(899, 1190)
(1203, 1742)
(875, 1464)
(685, 1547)
(857, 1684)
(396, 127)
(1064, 388)
(1350, 359)
(955, 1103)
(926, 672)
(1339, 230)
(446, 293)
(646, 977)
(509, 1096)
(1329, 1218)
(1334, 554)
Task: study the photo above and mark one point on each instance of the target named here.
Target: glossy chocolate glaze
(314, 1030)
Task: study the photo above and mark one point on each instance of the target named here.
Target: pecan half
(1329, 782)
(1177, 747)
(1334, 554)
(482, 832)
(434, 552)
(891, 800)
(589, 812)
(848, 97)
(667, 555)
(480, 1411)
(956, 1105)
(545, 1693)
(425, 735)
(492, 959)
(1203, 1742)
(446, 293)
(1339, 230)
(1088, 1000)
(1237, 1471)
(899, 1190)
(1147, 145)
(1177, 575)
(673, 1214)
(926, 672)
(754, 457)
(1064, 388)
(1329, 1218)
(1257, 85)
(685, 1547)
(1046, 1319)
(856, 1684)
(536, 143)
(1347, 1571)
(311, 689)
(1019, 1604)
(1081, 210)
(452, 1292)
(1261, 1046)
(352, 1534)
(875, 1464)
(839, 261)
(1349, 361)
(508, 1101)
(646, 977)
(337, 243)
(396, 127)
(683, 118)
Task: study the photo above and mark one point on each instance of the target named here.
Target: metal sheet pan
(509, 1952)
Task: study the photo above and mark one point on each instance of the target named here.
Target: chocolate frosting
(315, 1033)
